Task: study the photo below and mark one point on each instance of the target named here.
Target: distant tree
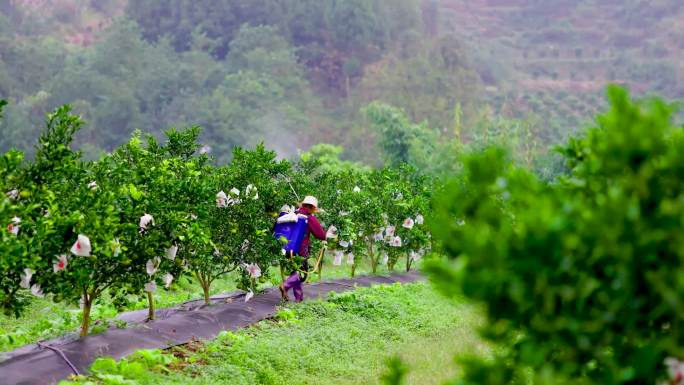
(427, 85)
(103, 82)
(396, 133)
(404, 142)
(327, 157)
(30, 64)
(399, 19)
(105, 6)
(326, 32)
(430, 11)
(124, 83)
(353, 24)
(264, 94)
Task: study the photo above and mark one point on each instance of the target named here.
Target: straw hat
(310, 200)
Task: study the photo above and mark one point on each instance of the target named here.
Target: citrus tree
(265, 190)
(415, 235)
(247, 195)
(21, 217)
(340, 193)
(367, 214)
(15, 214)
(369, 211)
(405, 202)
(160, 187)
(73, 223)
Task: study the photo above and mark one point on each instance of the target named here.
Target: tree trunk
(85, 322)
(373, 260)
(205, 284)
(353, 270)
(408, 262)
(205, 290)
(150, 306)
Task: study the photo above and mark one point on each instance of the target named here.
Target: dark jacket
(314, 227)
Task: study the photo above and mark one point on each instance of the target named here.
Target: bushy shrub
(581, 278)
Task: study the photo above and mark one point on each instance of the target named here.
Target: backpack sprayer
(292, 227)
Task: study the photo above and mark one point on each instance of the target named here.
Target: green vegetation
(344, 340)
(45, 319)
(580, 277)
(296, 73)
(565, 303)
(149, 213)
(551, 49)
(259, 71)
(290, 74)
(372, 106)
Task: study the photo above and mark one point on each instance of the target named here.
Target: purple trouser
(294, 282)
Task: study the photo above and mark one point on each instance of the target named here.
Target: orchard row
(148, 212)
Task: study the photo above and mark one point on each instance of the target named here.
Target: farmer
(308, 207)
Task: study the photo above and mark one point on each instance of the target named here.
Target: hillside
(579, 45)
(569, 45)
(247, 73)
(75, 22)
(557, 55)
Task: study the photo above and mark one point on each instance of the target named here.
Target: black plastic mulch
(38, 364)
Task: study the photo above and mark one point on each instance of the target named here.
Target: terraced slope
(554, 57)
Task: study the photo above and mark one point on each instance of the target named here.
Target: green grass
(45, 319)
(345, 340)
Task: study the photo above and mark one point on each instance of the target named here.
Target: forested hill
(246, 71)
(298, 72)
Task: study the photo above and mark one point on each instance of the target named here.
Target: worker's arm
(316, 228)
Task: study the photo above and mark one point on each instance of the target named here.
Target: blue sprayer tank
(292, 231)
